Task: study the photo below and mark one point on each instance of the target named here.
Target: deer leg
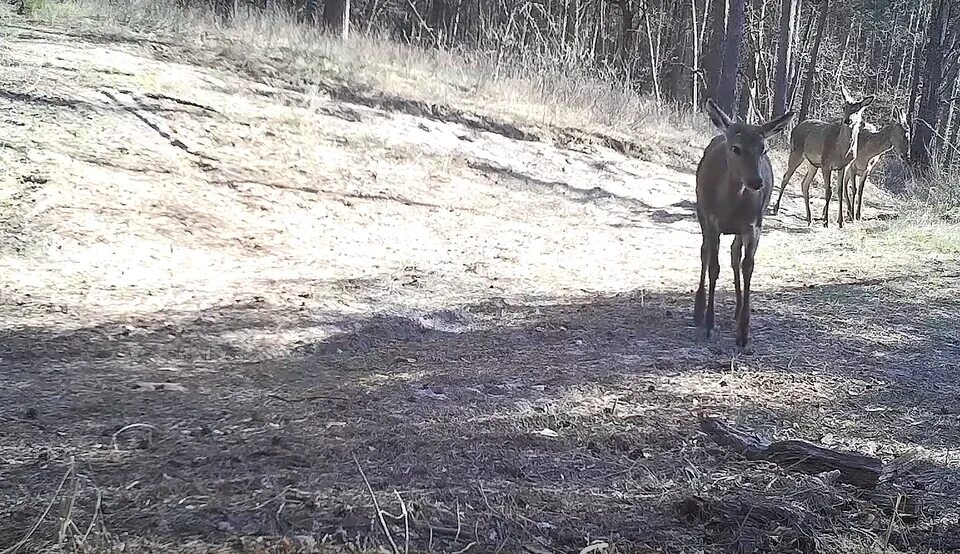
(850, 180)
(700, 303)
(714, 274)
(796, 158)
(807, 181)
(863, 185)
(827, 174)
(752, 240)
(736, 256)
(841, 183)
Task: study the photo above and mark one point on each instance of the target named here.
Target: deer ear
(867, 101)
(720, 120)
(776, 125)
(846, 94)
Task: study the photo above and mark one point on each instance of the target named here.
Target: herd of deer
(735, 186)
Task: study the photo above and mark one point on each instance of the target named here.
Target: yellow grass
(522, 89)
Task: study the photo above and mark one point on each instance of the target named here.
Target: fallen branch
(376, 506)
(799, 455)
(305, 398)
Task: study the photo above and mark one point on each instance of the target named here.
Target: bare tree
(932, 79)
(812, 64)
(715, 24)
(727, 90)
(682, 51)
(336, 17)
(781, 80)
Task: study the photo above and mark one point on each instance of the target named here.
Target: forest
(757, 58)
(422, 276)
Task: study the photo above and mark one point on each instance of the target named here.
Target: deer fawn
(829, 146)
(734, 187)
(895, 135)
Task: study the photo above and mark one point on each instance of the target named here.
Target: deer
(873, 144)
(734, 187)
(829, 146)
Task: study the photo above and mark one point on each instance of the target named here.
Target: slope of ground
(224, 297)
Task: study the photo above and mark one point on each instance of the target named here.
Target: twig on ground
(46, 512)
(158, 96)
(406, 522)
(459, 523)
(93, 518)
(465, 548)
(66, 518)
(127, 428)
(893, 520)
(376, 506)
(305, 398)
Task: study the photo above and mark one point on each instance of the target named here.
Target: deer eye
(737, 151)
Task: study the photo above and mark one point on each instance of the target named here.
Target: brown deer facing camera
(734, 186)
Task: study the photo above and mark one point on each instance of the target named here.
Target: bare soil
(225, 296)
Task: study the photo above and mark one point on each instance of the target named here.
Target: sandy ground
(222, 299)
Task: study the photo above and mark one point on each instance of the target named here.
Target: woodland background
(756, 57)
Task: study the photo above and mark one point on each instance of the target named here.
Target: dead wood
(800, 455)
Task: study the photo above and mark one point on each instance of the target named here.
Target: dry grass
(219, 312)
(522, 89)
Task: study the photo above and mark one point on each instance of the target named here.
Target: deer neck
(875, 143)
(845, 147)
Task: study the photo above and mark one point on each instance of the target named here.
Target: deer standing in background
(874, 143)
(829, 146)
(734, 187)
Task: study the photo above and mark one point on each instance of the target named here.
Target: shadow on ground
(496, 423)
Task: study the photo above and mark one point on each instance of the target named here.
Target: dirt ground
(234, 312)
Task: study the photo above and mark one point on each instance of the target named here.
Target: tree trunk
(914, 74)
(695, 66)
(812, 64)
(336, 17)
(953, 131)
(627, 34)
(727, 90)
(952, 126)
(654, 57)
(438, 20)
(571, 26)
(224, 9)
(760, 86)
(928, 107)
(713, 53)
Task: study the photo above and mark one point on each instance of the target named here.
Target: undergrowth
(523, 87)
(527, 88)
